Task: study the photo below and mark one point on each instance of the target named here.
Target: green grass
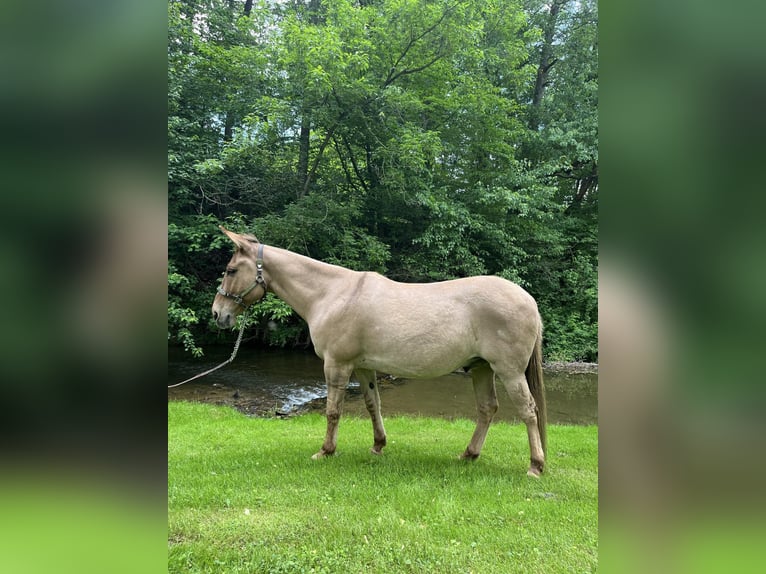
(244, 496)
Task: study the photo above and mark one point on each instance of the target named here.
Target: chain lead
(227, 361)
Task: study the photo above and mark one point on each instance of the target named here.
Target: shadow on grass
(403, 460)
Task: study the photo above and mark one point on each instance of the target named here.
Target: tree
(426, 140)
(563, 143)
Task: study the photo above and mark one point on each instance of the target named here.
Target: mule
(362, 322)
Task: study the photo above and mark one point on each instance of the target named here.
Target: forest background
(425, 140)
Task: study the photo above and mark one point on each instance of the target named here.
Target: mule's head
(243, 281)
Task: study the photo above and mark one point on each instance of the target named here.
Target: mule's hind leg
(518, 390)
(369, 384)
(486, 406)
(337, 379)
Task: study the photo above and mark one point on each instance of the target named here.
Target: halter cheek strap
(259, 280)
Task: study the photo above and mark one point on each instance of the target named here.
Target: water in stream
(268, 382)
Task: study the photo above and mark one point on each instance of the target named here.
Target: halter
(259, 280)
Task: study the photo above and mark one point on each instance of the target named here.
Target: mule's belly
(424, 371)
(415, 363)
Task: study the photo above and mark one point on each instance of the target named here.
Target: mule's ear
(240, 241)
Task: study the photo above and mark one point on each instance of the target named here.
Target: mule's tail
(534, 375)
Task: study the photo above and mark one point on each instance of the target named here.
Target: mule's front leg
(337, 380)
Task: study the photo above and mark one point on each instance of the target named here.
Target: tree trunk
(303, 151)
(546, 62)
(228, 127)
(310, 175)
(304, 138)
(372, 172)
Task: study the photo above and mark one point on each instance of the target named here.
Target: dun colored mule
(361, 322)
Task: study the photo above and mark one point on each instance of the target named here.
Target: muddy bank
(570, 368)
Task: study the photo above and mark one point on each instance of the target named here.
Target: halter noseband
(259, 280)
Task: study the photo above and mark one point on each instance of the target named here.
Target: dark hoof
(535, 469)
(469, 456)
(377, 448)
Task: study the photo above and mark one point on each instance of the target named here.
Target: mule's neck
(300, 281)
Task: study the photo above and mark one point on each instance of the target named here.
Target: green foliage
(404, 137)
(325, 227)
(181, 318)
(282, 325)
(191, 241)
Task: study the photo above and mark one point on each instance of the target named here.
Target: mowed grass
(244, 496)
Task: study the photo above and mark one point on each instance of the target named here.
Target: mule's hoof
(535, 469)
(321, 454)
(376, 451)
(469, 456)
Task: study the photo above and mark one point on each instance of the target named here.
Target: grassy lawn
(244, 496)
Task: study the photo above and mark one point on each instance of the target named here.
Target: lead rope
(226, 362)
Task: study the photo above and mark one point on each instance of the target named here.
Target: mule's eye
(231, 271)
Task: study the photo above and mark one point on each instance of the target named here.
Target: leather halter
(259, 280)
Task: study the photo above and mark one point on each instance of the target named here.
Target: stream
(267, 382)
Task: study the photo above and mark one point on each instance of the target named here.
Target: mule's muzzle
(223, 319)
